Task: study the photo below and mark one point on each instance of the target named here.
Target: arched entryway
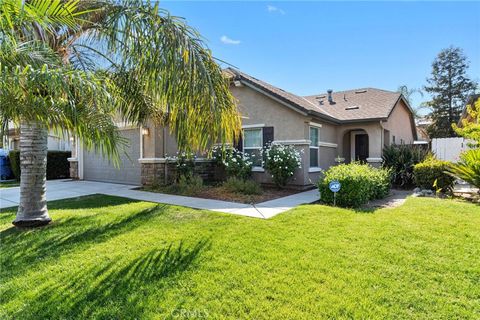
(356, 145)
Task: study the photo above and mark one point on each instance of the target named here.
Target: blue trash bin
(5, 169)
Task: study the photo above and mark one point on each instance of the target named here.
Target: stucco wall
(399, 124)
(375, 138)
(256, 108)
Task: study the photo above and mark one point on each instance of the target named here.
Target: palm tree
(76, 67)
(407, 94)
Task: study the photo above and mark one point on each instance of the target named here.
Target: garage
(96, 168)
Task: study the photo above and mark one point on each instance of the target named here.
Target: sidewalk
(63, 189)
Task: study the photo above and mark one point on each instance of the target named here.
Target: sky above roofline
(309, 47)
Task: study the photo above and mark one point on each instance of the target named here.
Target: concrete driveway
(63, 189)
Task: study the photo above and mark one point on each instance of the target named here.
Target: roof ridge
(350, 90)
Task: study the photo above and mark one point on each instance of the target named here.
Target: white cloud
(274, 9)
(227, 40)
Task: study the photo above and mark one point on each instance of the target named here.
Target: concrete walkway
(63, 189)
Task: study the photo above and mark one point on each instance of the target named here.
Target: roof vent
(330, 98)
(360, 91)
(352, 108)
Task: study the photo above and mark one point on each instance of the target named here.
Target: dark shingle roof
(358, 104)
(351, 105)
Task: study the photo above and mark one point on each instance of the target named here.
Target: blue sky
(309, 47)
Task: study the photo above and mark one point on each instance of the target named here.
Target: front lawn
(113, 258)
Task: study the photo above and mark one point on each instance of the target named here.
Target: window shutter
(267, 135)
(238, 143)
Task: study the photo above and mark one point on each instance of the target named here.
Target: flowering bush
(281, 162)
(184, 163)
(236, 163)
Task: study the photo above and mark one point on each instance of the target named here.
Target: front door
(361, 147)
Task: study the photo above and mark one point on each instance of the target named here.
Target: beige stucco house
(327, 127)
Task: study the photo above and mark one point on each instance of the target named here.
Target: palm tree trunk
(32, 210)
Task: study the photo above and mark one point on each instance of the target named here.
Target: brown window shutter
(238, 143)
(267, 135)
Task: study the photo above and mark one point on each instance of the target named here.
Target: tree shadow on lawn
(23, 248)
(114, 290)
(93, 201)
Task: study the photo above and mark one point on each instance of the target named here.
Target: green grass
(9, 184)
(113, 258)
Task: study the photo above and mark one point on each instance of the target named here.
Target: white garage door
(96, 168)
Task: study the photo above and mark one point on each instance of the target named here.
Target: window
(393, 139)
(252, 145)
(313, 147)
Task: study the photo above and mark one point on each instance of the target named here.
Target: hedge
(431, 170)
(58, 166)
(360, 184)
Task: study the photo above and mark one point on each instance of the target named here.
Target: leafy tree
(78, 67)
(470, 128)
(468, 168)
(449, 87)
(407, 94)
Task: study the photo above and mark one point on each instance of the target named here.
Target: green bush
(360, 183)
(468, 168)
(58, 166)
(248, 187)
(281, 162)
(185, 165)
(431, 170)
(401, 159)
(14, 157)
(186, 185)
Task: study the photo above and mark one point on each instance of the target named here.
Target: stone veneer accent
(154, 173)
(73, 169)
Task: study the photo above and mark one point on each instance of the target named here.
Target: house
(11, 140)
(327, 127)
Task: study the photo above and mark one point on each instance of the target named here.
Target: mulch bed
(221, 193)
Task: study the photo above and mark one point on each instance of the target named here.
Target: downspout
(165, 167)
(382, 139)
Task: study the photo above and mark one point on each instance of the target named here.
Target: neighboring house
(422, 124)
(11, 140)
(353, 125)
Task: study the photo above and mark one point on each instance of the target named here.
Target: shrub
(433, 171)
(401, 159)
(186, 185)
(360, 183)
(247, 187)
(14, 157)
(281, 162)
(468, 168)
(185, 165)
(58, 166)
(236, 163)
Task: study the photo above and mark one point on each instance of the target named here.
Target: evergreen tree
(450, 88)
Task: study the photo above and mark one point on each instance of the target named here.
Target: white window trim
(327, 144)
(314, 147)
(315, 124)
(254, 127)
(314, 169)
